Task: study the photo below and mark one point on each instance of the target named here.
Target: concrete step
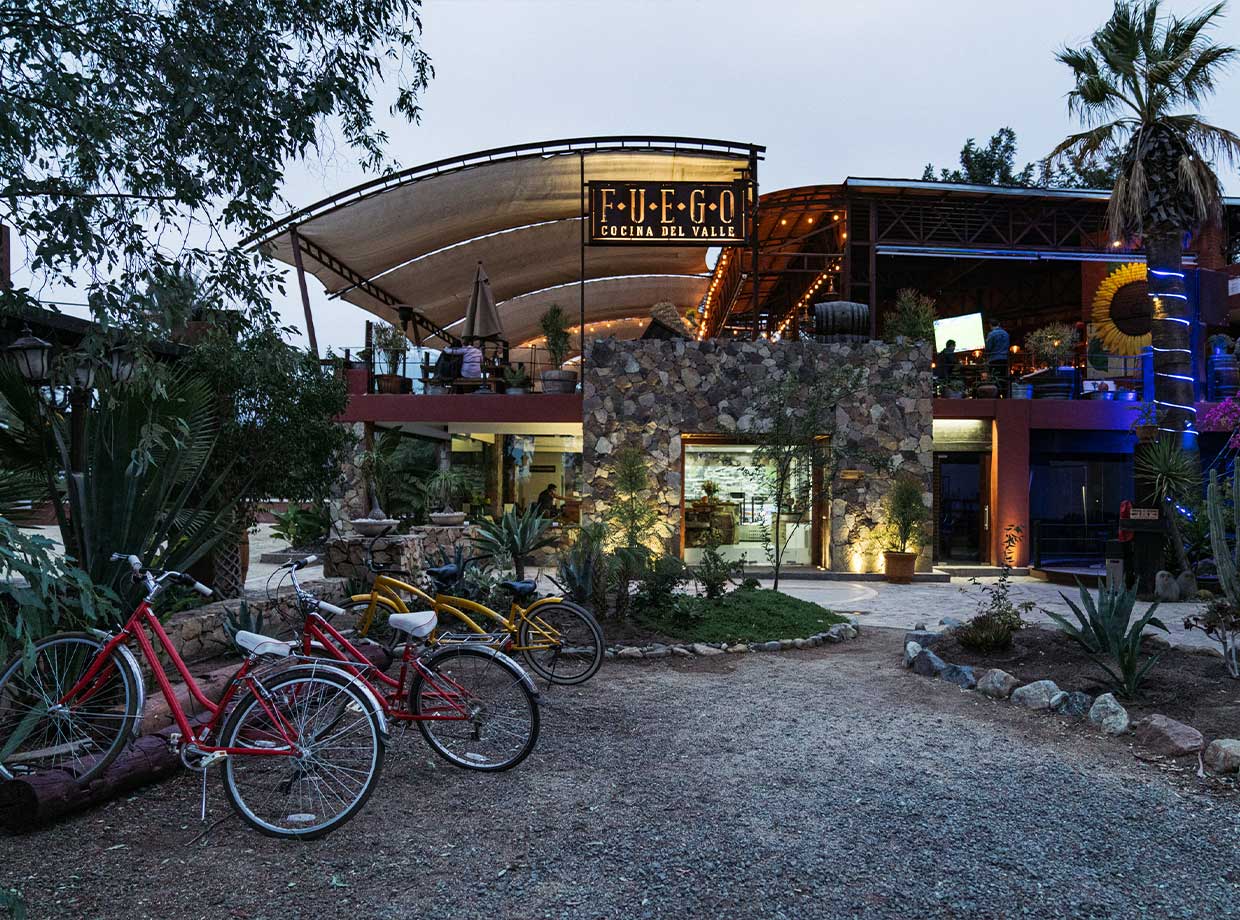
(978, 571)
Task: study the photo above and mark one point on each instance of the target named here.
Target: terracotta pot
(899, 567)
(388, 383)
(560, 381)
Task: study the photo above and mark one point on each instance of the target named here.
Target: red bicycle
(475, 706)
(301, 742)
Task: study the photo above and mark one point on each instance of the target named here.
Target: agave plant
(242, 620)
(582, 568)
(515, 536)
(1110, 637)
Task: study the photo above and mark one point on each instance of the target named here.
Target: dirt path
(826, 783)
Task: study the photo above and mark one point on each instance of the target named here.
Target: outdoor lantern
(82, 376)
(120, 363)
(32, 355)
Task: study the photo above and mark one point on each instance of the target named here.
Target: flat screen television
(965, 330)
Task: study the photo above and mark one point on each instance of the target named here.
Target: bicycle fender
(353, 681)
(499, 656)
(131, 661)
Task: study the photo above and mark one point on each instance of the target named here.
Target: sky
(832, 88)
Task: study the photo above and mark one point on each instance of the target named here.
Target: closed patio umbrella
(482, 318)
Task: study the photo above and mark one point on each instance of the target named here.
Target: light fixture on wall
(852, 475)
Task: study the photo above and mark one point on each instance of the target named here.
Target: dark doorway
(962, 502)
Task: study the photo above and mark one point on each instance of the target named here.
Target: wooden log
(30, 801)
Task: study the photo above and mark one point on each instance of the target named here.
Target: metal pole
(753, 231)
(581, 285)
(305, 293)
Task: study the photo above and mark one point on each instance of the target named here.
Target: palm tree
(1138, 82)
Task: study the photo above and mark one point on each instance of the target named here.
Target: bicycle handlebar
(155, 578)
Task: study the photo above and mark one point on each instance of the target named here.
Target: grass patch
(746, 615)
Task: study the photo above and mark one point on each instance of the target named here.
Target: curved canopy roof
(414, 238)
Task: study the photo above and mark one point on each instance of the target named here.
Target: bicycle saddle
(444, 574)
(520, 589)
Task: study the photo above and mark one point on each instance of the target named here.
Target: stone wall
(647, 394)
(408, 552)
(199, 634)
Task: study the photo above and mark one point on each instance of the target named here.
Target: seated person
(546, 503)
(471, 360)
(947, 362)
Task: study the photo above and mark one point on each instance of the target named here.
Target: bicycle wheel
(83, 736)
(341, 746)
(475, 708)
(561, 642)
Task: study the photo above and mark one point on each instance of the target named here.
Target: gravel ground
(824, 783)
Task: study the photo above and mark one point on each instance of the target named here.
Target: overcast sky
(832, 88)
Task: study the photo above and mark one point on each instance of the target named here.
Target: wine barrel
(1225, 375)
(842, 321)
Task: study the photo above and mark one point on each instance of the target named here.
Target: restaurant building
(609, 227)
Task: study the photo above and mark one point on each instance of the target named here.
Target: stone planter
(1022, 391)
(560, 381)
(899, 567)
(447, 518)
(373, 527)
(388, 383)
(516, 391)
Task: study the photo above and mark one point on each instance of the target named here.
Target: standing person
(997, 343)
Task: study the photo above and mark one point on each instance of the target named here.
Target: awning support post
(305, 293)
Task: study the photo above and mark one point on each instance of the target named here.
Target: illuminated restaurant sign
(677, 213)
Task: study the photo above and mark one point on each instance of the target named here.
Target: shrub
(42, 593)
(997, 619)
(302, 525)
(1051, 343)
(714, 573)
(659, 581)
(1110, 637)
(1220, 620)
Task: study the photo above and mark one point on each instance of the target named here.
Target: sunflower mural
(1121, 311)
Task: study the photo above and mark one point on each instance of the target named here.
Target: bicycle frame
(390, 691)
(143, 619)
(386, 590)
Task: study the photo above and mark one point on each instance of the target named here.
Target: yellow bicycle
(560, 641)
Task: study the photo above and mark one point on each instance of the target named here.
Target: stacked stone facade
(648, 394)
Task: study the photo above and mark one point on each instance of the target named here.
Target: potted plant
(554, 326)
(906, 514)
(516, 380)
(443, 488)
(390, 342)
(1145, 423)
(1220, 343)
(1052, 346)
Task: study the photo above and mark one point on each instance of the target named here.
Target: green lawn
(747, 615)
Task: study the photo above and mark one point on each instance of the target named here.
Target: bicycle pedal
(210, 760)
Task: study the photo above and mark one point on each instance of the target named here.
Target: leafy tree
(276, 411)
(138, 137)
(912, 317)
(1138, 84)
(994, 164)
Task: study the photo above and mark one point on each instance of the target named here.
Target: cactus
(1221, 620)
(1226, 557)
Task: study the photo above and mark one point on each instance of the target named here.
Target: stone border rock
(840, 632)
(1158, 733)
